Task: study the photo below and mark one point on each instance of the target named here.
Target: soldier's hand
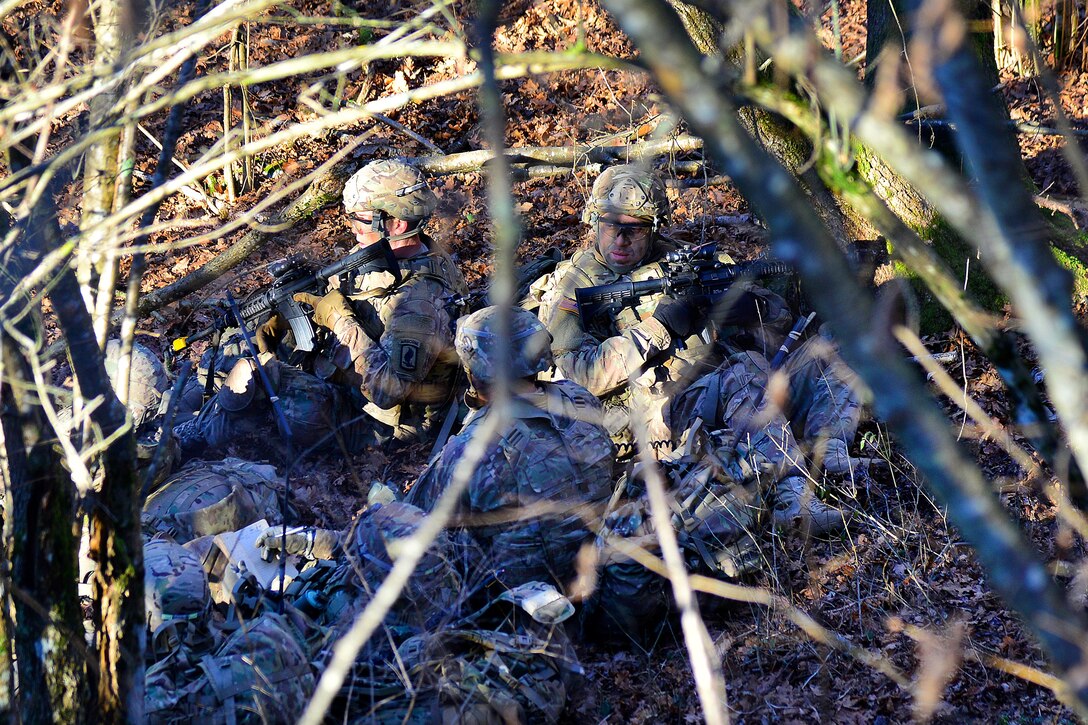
(328, 309)
(681, 317)
(269, 334)
(300, 540)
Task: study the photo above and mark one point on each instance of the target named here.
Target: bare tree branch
(920, 426)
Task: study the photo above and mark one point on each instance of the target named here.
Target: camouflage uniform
(632, 363)
(553, 451)
(405, 366)
(391, 365)
(822, 411)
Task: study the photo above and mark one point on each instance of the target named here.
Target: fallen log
(528, 162)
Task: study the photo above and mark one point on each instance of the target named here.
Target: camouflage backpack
(212, 497)
(175, 595)
(260, 674)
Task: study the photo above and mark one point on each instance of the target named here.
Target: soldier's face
(623, 241)
(361, 223)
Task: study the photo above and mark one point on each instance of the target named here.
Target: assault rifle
(693, 271)
(293, 275)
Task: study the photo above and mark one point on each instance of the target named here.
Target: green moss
(1078, 268)
(963, 261)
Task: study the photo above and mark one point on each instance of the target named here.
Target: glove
(270, 333)
(328, 310)
(300, 540)
(681, 317)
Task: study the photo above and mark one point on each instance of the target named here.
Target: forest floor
(899, 583)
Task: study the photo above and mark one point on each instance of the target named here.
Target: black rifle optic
(293, 275)
(691, 271)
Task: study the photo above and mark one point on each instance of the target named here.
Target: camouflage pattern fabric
(631, 189)
(333, 592)
(175, 595)
(822, 404)
(148, 385)
(718, 511)
(260, 674)
(391, 186)
(388, 374)
(555, 452)
(212, 497)
(527, 347)
(398, 349)
(495, 665)
(375, 538)
(147, 381)
(632, 364)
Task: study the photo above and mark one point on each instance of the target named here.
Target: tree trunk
(774, 133)
(100, 164)
(116, 541)
(48, 638)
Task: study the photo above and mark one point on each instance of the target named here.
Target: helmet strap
(377, 222)
(408, 234)
(377, 225)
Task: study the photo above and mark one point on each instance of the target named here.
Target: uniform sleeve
(430, 484)
(599, 366)
(394, 367)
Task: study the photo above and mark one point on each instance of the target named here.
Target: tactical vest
(650, 390)
(432, 275)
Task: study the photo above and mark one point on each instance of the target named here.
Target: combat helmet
(392, 187)
(147, 380)
(631, 189)
(175, 593)
(479, 347)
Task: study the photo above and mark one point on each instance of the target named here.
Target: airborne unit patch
(409, 355)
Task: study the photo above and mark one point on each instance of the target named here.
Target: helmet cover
(478, 345)
(393, 187)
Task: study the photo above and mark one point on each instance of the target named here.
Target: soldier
(648, 355)
(812, 430)
(392, 363)
(644, 356)
(554, 451)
